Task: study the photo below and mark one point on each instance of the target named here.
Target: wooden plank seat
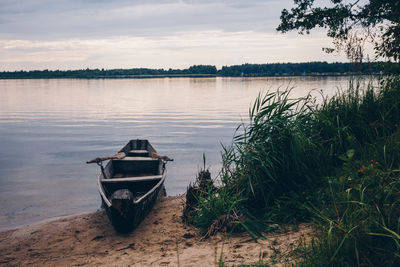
(138, 159)
(138, 151)
(132, 179)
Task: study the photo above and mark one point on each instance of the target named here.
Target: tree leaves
(345, 19)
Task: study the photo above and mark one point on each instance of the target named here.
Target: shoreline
(160, 240)
(319, 75)
(47, 220)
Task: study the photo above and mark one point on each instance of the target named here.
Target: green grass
(359, 224)
(275, 155)
(336, 164)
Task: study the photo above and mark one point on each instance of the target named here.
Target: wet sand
(160, 240)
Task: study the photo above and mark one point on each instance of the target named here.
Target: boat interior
(138, 171)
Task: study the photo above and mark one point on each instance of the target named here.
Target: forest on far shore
(244, 70)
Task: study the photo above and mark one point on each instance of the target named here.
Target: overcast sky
(76, 34)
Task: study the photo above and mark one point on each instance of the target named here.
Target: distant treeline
(244, 70)
(309, 68)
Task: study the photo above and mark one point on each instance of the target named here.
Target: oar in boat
(99, 160)
(164, 158)
(119, 155)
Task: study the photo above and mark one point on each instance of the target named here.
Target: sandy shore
(160, 240)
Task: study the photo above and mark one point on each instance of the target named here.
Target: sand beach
(160, 240)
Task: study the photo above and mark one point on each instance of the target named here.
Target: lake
(50, 128)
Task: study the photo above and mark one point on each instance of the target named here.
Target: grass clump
(361, 225)
(336, 164)
(273, 157)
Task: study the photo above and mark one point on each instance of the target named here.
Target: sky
(79, 34)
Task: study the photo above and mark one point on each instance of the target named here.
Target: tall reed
(360, 225)
(336, 164)
(275, 155)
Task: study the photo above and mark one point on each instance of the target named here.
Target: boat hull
(139, 178)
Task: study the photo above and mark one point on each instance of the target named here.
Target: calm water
(49, 128)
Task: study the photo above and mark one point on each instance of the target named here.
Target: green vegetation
(359, 224)
(310, 68)
(196, 70)
(335, 164)
(244, 70)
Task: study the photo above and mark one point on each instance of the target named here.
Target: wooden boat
(130, 183)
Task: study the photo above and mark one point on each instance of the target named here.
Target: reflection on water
(49, 128)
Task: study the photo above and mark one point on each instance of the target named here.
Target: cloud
(51, 20)
(73, 34)
(176, 51)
